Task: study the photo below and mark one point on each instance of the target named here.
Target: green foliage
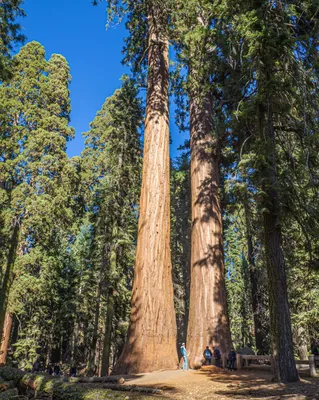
(180, 240)
(111, 164)
(238, 282)
(68, 227)
(36, 174)
(10, 33)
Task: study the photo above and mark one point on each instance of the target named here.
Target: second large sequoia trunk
(208, 321)
(151, 343)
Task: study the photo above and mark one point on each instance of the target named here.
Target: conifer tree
(148, 25)
(208, 321)
(180, 240)
(270, 33)
(39, 193)
(10, 33)
(113, 155)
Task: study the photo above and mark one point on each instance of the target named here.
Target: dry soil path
(216, 384)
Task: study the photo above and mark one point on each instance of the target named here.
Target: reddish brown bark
(151, 343)
(5, 338)
(208, 321)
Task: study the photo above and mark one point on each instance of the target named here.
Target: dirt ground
(216, 384)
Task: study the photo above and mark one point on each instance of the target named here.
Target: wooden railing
(243, 361)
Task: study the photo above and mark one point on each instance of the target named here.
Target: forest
(111, 259)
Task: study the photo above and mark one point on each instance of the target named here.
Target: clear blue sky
(76, 29)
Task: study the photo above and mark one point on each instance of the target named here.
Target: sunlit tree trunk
(5, 338)
(151, 343)
(208, 320)
(8, 275)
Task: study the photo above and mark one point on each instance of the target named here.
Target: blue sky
(76, 29)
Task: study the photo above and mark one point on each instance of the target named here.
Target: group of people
(54, 370)
(209, 355)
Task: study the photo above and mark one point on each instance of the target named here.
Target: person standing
(314, 349)
(73, 371)
(232, 359)
(49, 369)
(185, 357)
(217, 356)
(56, 370)
(208, 356)
(36, 366)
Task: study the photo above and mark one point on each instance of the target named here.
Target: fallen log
(11, 374)
(133, 388)
(55, 387)
(95, 379)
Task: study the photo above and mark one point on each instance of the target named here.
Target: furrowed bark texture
(208, 321)
(5, 338)
(280, 322)
(151, 343)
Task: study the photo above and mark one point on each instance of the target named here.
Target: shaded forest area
(112, 259)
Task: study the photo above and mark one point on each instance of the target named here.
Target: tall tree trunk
(255, 292)
(280, 323)
(91, 361)
(151, 343)
(208, 321)
(107, 334)
(8, 275)
(5, 338)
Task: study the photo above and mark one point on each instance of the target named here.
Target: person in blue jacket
(185, 356)
(208, 356)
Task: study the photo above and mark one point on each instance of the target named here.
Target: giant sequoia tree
(68, 227)
(152, 326)
(111, 163)
(208, 321)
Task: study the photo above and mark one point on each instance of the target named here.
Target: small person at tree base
(56, 370)
(73, 371)
(208, 356)
(36, 366)
(217, 356)
(231, 359)
(49, 369)
(185, 356)
(314, 349)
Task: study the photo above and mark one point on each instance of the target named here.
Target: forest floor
(210, 383)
